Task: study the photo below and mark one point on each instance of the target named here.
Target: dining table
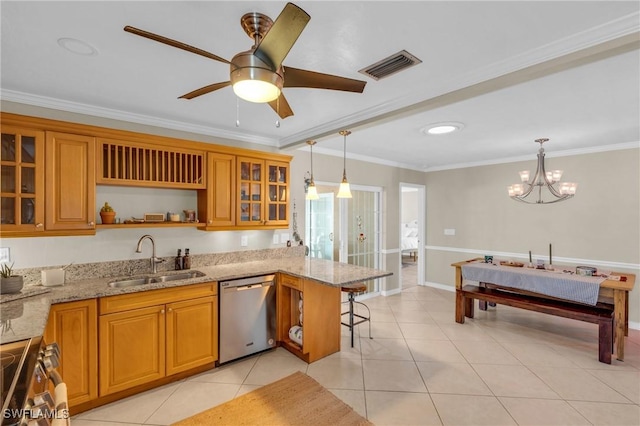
(613, 288)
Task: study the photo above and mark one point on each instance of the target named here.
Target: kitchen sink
(129, 282)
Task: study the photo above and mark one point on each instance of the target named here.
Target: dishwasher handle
(252, 286)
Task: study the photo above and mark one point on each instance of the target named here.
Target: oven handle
(60, 398)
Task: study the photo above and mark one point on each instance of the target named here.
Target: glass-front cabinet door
(250, 179)
(278, 193)
(263, 192)
(22, 184)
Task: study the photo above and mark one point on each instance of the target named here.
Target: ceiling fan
(257, 75)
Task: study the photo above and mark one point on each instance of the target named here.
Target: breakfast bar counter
(27, 317)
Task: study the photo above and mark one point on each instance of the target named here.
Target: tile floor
(502, 368)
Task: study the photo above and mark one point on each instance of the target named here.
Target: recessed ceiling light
(78, 47)
(441, 128)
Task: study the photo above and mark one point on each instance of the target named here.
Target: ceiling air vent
(390, 65)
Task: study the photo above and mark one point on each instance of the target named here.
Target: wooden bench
(601, 313)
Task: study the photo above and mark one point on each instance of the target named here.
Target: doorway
(412, 235)
(347, 230)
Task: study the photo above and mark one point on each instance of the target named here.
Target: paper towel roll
(295, 334)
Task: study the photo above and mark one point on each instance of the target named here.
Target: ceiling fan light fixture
(256, 91)
(253, 80)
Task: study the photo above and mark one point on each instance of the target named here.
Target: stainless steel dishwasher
(247, 316)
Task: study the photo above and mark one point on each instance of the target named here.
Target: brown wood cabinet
(70, 183)
(142, 164)
(217, 203)
(132, 348)
(22, 194)
(263, 193)
(147, 336)
(74, 326)
(192, 333)
(320, 316)
(50, 170)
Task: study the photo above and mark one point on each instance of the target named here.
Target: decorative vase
(10, 285)
(108, 217)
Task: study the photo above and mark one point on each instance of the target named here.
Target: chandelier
(542, 179)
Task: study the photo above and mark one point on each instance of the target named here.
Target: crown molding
(565, 153)
(609, 36)
(114, 114)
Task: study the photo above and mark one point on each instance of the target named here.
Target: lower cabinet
(145, 339)
(192, 334)
(74, 326)
(318, 315)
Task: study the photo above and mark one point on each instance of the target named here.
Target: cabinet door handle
(162, 311)
(91, 223)
(38, 225)
(210, 221)
(170, 310)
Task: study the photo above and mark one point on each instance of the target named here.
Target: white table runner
(558, 284)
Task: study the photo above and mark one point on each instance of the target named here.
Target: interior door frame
(421, 231)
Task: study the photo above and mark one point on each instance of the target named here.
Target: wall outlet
(284, 238)
(276, 240)
(449, 231)
(244, 241)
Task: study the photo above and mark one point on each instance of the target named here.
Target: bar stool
(352, 290)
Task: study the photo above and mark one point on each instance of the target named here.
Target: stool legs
(351, 313)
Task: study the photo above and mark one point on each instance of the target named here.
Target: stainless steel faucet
(153, 260)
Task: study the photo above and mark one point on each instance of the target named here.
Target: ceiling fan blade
(294, 77)
(204, 90)
(281, 107)
(284, 32)
(174, 43)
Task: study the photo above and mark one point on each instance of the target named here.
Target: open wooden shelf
(150, 225)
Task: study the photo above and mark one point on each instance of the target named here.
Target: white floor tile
(506, 366)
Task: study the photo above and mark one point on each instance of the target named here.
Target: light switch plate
(244, 241)
(284, 238)
(276, 240)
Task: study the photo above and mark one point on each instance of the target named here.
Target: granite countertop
(27, 317)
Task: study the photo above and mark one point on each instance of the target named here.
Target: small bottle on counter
(186, 260)
(178, 261)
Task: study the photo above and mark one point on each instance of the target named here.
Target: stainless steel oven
(27, 368)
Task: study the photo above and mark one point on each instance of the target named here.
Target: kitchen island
(117, 341)
(27, 317)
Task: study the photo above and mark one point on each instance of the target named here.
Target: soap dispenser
(186, 260)
(178, 261)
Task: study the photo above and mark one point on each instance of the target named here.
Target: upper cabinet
(216, 203)
(139, 164)
(70, 183)
(50, 170)
(22, 169)
(263, 187)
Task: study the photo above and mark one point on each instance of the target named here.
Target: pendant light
(344, 191)
(312, 192)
